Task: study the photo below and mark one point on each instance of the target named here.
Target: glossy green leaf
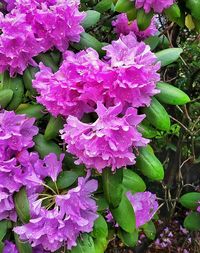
(87, 41)
(133, 182)
(143, 19)
(124, 215)
(129, 239)
(53, 127)
(23, 247)
(157, 115)
(171, 95)
(152, 41)
(192, 221)
(85, 244)
(4, 226)
(103, 6)
(147, 130)
(123, 5)
(28, 77)
(149, 165)
(91, 19)
(149, 230)
(47, 60)
(194, 7)
(100, 245)
(22, 205)
(190, 200)
(112, 185)
(101, 202)
(5, 97)
(66, 179)
(31, 110)
(168, 56)
(100, 229)
(44, 147)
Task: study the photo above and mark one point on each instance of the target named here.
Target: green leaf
(36, 110)
(100, 245)
(101, 202)
(132, 182)
(100, 229)
(173, 12)
(66, 179)
(194, 7)
(147, 130)
(28, 77)
(129, 239)
(4, 226)
(171, 95)
(103, 6)
(143, 19)
(53, 127)
(123, 5)
(168, 56)
(149, 230)
(22, 247)
(87, 41)
(47, 60)
(44, 147)
(152, 41)
(157, 115)
(5, 97)
(149, 165)
(22, 205)
(1, 247)
(85, 244)
(112, 185)
(192, 221)
(91, 19)
(190, 200)
(124, 215)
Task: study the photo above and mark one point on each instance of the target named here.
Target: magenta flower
(75, 88)
(35, 26)
(74, 213)
(133, 72)
(156, 5)
(109, 141)
(10, 4)
(123, 26)
(7, 206)
(198, 208)
(16, 131)
(10, 248)
(145, 206)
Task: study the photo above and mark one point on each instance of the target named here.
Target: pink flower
(75, 88)
(109, 141)
(144, 205)
(133, 72)
(124, 26)
(74, 213)
(157, 5)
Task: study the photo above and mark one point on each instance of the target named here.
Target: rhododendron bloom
(108, 142)
(123, 26)
(198, 208)
(145, 206)
(75, 88)
(74, 213)
(10, 247)
(133, 72)
(156, 5)
(35, 26)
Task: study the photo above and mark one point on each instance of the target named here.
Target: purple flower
(133, 72)
(157, 5)
(7, 206)
(124, 26)
(198, 208)
(75, 88)
(35, 26)
(74, 213)
(109, 141)
(16, 131)
(10, 247)
(144, 205)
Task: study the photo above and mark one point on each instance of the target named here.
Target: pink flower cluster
(74, 213)
(123, 26)
(145, 206)
(155, 5)
(35, 26)
(111, 88)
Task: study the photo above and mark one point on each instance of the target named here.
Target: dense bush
(99, 124)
